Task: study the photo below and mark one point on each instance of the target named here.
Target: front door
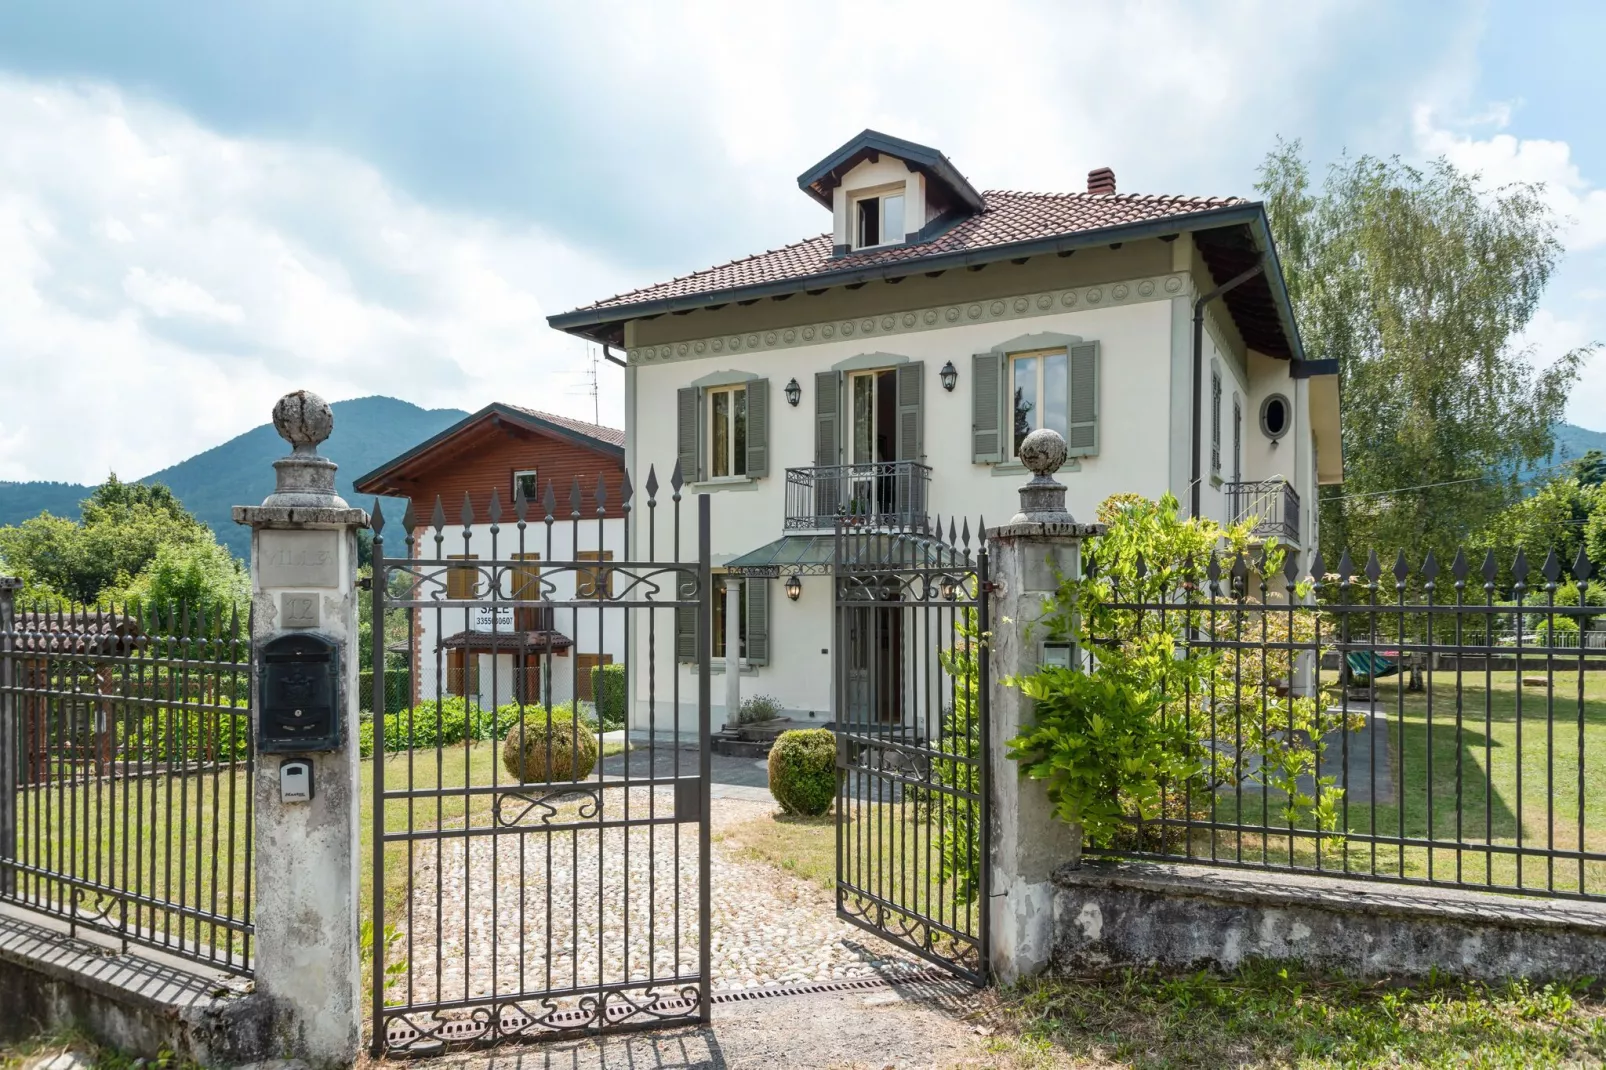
(874, 665)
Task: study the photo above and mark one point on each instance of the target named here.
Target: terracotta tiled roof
(1009, 217)
(611, 435)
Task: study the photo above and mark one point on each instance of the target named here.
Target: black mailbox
(300, 694)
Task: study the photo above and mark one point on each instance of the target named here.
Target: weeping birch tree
(1420, 281)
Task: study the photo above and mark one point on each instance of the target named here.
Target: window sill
(709, 486)
(1015, 468)
(717, 668)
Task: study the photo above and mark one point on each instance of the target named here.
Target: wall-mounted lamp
(949, 588)
(794, 587)
(949, 376)
(794, 393)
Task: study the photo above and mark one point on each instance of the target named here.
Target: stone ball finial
(1042, 452)
(303, 419)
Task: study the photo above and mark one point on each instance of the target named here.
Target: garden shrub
(1110, 755)
(608, 685)
(958, 820)
(183, 732)
(758, 708)
(565, 741)
(803, 770)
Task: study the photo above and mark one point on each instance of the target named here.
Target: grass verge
(1265, 1015)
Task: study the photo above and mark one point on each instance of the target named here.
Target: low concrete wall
(1109, 913)
(142, 1004)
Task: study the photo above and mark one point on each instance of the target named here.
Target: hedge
(430, 724)
(608, 688)
(398, 689)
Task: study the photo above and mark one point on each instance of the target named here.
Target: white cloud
(1505, 158)
(162, 285)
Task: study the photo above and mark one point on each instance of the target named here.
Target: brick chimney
(1101, 180)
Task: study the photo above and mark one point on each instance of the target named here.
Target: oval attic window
(1274, 416)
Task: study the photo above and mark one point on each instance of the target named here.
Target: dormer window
(878, 220)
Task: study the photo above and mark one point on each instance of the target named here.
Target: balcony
(885, 492)
(1273, 503)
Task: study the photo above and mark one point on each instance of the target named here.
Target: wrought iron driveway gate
(912, 732)
(558, 900)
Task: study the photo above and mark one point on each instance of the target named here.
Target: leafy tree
(1417, 281)
(1590, 469)
(1555, 517)
(194, 572)
(122, 526)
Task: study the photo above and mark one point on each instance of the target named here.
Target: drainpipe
(1196, 423)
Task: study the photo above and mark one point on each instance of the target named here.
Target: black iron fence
(125, 773)
(868, 495)
(1422, 723)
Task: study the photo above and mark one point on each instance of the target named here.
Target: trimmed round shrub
(573, 747)
(803, 770)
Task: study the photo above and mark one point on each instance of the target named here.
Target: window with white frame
(1040, 392)
(727, 431)
(878, 220)
(526, 485)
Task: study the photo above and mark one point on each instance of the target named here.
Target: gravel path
(614, 909)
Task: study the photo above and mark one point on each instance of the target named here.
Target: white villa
(889, 368)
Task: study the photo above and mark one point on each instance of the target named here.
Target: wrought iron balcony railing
(1274, 503)
(886, 492)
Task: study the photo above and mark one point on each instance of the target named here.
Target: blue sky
(203, 205)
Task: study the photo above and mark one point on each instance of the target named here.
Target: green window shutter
(827, 440)
(758, 428)
(756, 589)
(827, 417)
(685, 634)
(986, 408)
(1083, 440)
(911, 420)
(911, 443)
(686, 436)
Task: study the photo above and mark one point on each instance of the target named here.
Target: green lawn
(1480, 780)
(172, 855)
(1267, 1016)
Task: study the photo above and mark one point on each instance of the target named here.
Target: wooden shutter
(686, 437)
(758, 428)
(685, 633)
(827, 418)
(1083, 440)
(1237, 439)
(911, 444)
(1215, 420)
(827, 441)
(756, 590)
(986, 408)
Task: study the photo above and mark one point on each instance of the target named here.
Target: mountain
(368, 432)
(1573, 441)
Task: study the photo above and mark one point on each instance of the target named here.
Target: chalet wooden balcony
(885, 492)
(1273, 503)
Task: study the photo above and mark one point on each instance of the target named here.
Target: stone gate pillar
(1027, 557)
(304, 712)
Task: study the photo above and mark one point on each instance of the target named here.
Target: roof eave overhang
(584, 322)
(1260, 228)
(377, 481)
